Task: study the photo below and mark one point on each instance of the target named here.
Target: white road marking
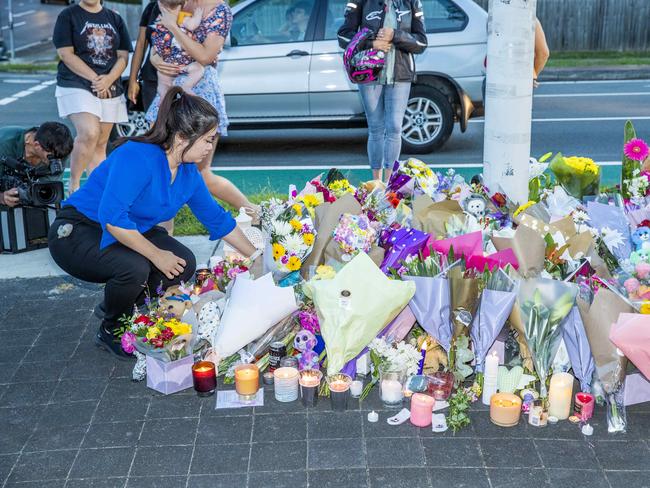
(24, 93)
(22, 14)
(17, 24)
(592, 82)
(578, 119)
(568, 95)
(32, 44)
(20, 81)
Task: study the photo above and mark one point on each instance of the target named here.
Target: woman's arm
(239, 241)
(353, 13)
(205, 53)
(136, 63)
(75, 63)
(542, 52)
(411, 42)
(162, 67)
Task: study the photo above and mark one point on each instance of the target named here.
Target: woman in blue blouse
(107, 231)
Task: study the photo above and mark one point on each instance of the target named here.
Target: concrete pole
(10, 17)
(509, 97)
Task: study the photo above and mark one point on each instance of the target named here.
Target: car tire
(136, 126)
(428, 122)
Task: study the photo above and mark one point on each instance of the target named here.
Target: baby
(168, 48)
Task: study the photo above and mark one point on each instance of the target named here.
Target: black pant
(128, 275)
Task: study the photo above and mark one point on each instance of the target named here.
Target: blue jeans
(385, 106)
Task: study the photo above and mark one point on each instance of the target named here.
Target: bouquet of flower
(227, 269)
(400, 356)
(166, 338)
(354, 233)
(578, 176)
(291, 237)
(412, 177)
(375, 205)
(340, 187)
(635, 151)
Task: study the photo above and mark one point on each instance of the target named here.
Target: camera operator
(35, 146)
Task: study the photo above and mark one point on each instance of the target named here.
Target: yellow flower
(295, 224)
(324, 272)
(308, 238)
(294, 263)
(153, 332)
(523, 207)
(582, 165)
(312, 200)
(645, 308)
(298, 209)
(179, 328)
(278, 251)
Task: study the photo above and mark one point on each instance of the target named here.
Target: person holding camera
(35, 147)
(107, 230)
(93, 44)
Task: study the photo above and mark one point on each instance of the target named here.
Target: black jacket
(410, 35)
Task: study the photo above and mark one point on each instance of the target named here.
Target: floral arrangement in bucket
(167, 338)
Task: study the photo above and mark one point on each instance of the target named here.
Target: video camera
(26, 178)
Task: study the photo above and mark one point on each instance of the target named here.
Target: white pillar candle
(559, 395)
(391, 391)
(490, 377)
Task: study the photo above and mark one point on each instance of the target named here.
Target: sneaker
(100, 310)
(108, 342)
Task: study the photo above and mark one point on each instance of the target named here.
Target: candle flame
(425, 345)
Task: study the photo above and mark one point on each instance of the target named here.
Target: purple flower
(159, 290)
(284, 259)
(128, 341)
(363, 223)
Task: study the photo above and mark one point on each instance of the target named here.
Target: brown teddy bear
(174, 302)
(436, 355)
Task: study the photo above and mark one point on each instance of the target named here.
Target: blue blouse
(132, 189)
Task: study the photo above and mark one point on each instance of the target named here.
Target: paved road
(33, 24)
(581, 118)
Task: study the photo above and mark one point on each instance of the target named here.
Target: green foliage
(458, 416)
(629, 165)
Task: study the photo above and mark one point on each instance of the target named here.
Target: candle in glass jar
(339, 385)
(391, 391)
(505, 409)
(309, 384)
(286, 384)
(247, 381)
(559, 395)
(421, 409)
(204, 375)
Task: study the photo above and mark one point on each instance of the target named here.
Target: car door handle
(297, 52)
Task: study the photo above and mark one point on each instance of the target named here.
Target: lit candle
(391, 392)
(490, 377)
(584, 406)
(286, 384)
(559, 395)
(339, 390)
(309, 383)
(505, 409)
(204, 375)
(247, 381)
(421, 409)
(423, 354)
(356, 388)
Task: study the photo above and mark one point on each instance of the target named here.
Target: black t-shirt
(95, 37)
(149, 16)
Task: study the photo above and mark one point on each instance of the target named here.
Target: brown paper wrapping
(529, 248)
(517, 325)
(598, 320)
(580, 245)
(464, 296)
(431, 217)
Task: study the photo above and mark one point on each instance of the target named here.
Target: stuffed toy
(641, 238)
(305, 342)
(436, 356)
(640, 256)
(174, 302)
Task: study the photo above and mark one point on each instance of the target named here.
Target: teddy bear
(305, 342)
(640, 256)
(436, 355)
(174, 302)
(641, 238)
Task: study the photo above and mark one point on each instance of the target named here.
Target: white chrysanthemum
(281, 228)
(294, 243)
(612, 238)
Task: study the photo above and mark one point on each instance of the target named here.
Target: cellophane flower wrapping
(354, 234)
(543, 306)
(578, 176)
(412, 177)
(354, 307)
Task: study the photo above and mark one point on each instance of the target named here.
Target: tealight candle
(559, 395)
(247, 381)
(421, 409)
(204, 375)
(505, 409)
(309, 383)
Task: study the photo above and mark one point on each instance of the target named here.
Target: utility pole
(10, 17)
(509, 97)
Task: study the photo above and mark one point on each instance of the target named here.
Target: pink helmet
(363, 66)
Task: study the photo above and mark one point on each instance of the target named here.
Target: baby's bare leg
(165, 82)
(194, 74)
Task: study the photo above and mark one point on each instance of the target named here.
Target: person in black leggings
(107, 231)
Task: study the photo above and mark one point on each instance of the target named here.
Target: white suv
(285, 69)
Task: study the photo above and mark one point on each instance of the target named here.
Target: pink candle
(584, 406)
(421, 409)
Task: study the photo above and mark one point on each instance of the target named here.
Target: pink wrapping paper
(465, 245)
(631, 334)
(499, 259)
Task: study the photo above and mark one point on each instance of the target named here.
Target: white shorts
(77, 100)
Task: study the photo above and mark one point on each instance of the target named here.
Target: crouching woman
(107, 232)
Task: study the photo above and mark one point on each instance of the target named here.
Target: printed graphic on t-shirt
(100, 39)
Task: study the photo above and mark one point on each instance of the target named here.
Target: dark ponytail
(181, 114)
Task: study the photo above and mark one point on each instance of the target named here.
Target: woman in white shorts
(93, 44)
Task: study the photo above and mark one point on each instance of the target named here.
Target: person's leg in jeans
(396, 98)
(372, 97)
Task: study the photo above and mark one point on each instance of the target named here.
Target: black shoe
(108, 342)
(100, 310)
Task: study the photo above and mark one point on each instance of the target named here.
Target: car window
(443, 16)
(439, 16)
(271, 22)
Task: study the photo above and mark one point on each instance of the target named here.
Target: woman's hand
(169, 16)
(253, 211)
(170, 264)
(134, 90)
(102, 84)
(165, 68)
(380, 45)
(386, 34)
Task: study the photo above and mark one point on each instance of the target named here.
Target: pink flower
(128, 342)
(631, 285)
(643, 270)
(636, 149)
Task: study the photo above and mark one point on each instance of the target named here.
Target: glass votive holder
(286, 384)
(204, 376)
(247, 381)
(356, 388)
(289, 362)
(441, 384)
(339, 385)
(309, 383)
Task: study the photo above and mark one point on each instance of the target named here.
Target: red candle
(584, 406)
(204, 374)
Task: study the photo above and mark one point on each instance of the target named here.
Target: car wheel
(136, 126)
(428, 121)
